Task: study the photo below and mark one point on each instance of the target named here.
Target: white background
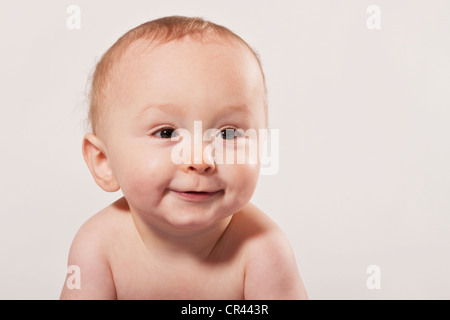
(363, 116)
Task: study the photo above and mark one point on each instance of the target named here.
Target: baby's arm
(271, 271)
(88, 253)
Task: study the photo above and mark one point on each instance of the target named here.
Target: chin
(195, 219)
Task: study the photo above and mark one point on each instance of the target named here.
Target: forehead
(188, 72)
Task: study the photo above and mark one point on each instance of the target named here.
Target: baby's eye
(230, 134)
(165, 133)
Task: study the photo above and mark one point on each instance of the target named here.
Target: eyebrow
(167, 107)
(242, 110)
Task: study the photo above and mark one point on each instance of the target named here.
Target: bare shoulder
(270, 267)
(255, 229)
(106, 222)
(89, 252)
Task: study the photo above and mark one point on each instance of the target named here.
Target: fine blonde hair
(159, 31)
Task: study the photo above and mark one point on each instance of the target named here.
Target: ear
(96, 160)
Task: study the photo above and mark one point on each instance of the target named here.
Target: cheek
(241, 175)
(143, 176)
(241, 180)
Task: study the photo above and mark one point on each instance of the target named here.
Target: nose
(201, 168)
(201, 162)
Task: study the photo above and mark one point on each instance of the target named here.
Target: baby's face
(162, 92)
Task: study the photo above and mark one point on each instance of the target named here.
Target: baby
(183, 229)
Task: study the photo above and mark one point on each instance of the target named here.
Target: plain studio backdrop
(363, 186)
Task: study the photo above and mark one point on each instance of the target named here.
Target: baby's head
(154, 90)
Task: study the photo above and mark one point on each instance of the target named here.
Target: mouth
(196, 195)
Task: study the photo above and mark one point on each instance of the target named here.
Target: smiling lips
(195, 195)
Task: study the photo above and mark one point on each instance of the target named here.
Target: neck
(168, 242)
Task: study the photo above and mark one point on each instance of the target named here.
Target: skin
(153, 244)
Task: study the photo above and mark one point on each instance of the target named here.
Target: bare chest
(140, 278)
